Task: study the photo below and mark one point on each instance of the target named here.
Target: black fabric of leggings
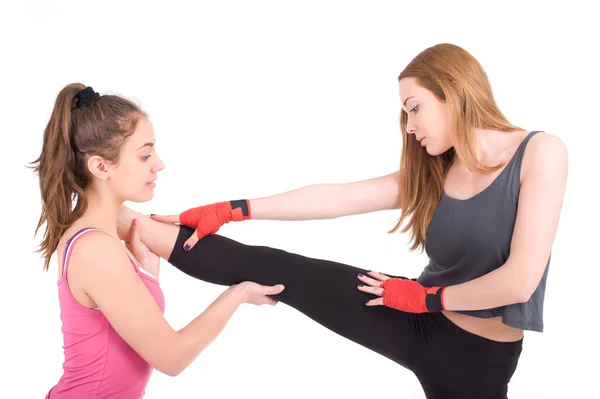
(448, 361)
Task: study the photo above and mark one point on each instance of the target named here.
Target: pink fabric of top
(98, 362)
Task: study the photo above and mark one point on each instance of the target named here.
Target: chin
(142, 197)
(432, 151)
(435, 151)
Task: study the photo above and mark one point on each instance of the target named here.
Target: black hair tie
(85, 97)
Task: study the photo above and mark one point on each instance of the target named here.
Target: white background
(253, 98)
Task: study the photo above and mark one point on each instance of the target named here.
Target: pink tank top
(98, 362)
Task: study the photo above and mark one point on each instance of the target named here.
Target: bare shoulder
(547, 141)
(544, 152)
(97, 251)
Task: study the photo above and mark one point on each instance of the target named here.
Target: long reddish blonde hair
(455, 77)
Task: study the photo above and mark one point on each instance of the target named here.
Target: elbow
(522, 285)
(522, 296)
(167, 362)
(172, 369)
(173, 372)
(524, 292)
(175, 362)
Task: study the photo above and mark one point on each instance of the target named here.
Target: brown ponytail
(71, 136)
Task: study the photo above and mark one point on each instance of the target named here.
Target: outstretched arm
(318, 201)
(330, 201)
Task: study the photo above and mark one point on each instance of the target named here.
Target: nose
(411, 127)
(159, 165)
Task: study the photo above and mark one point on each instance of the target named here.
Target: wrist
(240, 210)
(434, 299)
(234, 295)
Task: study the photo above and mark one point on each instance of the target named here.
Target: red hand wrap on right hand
(207, 219)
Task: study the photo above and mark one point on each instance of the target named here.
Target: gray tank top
(467, 239)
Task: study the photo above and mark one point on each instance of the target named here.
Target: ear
(99, 167)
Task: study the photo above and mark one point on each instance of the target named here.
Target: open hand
(401, 293)
(257, 294)
(373, 283)
(147, 259)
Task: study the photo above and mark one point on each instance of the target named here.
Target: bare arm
(111, 281)
(330, 201)
(540, 202)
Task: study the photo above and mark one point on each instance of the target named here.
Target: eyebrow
(404, 104)
(146, 145)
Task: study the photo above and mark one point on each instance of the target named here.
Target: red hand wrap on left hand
(410, 296)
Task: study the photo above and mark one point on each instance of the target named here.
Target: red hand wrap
(208, 219)
(410, 296)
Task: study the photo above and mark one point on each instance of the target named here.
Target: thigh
(459, 364)
(462, 376)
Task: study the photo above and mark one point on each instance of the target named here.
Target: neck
(493, 146)
(486, 145)
(102, 210)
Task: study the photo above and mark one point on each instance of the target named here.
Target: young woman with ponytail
(480, 195)
(98, 152)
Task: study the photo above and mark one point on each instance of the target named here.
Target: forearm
(500, 287)
(306, 203)
(329, 201)
(203, 330)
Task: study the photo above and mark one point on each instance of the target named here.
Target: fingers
(371, 290)
(378, 276)
(375, 302)
(374, 286)
(134, 232)
(270, 290)
(190, 242)
(134, 242)
(273, 290)
(259, 294)
(368, 280)
(166, 218)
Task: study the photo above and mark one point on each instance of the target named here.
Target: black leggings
(448, 361)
